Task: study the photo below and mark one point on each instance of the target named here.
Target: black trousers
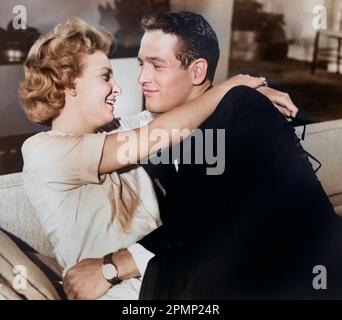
(261, 227)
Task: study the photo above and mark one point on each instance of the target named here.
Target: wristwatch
(109, 270)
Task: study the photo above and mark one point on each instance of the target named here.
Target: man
(239, 234)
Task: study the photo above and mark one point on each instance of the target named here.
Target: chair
(327, 53)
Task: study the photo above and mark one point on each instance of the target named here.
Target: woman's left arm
(281, 100)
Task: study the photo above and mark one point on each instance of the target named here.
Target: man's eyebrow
(153, 59)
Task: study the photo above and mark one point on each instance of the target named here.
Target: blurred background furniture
(327, 53)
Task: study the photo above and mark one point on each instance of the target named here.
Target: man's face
(166, 84)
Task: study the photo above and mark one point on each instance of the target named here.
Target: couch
(322, 140)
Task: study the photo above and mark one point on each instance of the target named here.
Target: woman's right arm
(122, 149)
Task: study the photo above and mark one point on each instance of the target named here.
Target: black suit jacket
(258, 229)
(268, 186)
(195, 203)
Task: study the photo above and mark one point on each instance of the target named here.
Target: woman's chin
(110, 117)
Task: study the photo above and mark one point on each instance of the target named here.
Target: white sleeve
(141, 257)
(65, 162)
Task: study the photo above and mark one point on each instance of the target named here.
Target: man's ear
(199, 69)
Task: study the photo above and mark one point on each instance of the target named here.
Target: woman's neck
(69, 121)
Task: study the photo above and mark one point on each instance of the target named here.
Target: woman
(86, 207)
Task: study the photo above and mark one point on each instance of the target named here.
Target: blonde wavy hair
(53, 62)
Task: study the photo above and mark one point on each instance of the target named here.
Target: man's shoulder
(136, 121)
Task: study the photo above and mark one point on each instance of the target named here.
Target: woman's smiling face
(96, 90)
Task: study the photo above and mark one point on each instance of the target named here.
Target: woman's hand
(281, 100)
(244, 80)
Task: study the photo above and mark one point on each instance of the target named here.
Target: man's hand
(281, 101)
(85, 281)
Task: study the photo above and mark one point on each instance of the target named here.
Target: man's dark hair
(197, 39)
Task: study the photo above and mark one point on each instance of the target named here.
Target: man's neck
(199, 90)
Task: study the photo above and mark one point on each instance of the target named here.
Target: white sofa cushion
(336, 200)
(324, 142)
(17, 215)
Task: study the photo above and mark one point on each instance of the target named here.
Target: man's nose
(144, 76)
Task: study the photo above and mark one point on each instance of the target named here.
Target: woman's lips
(110, 102)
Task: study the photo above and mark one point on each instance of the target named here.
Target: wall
(126, 74)
(43, 14)
(298, 15)
(219, 15)
(13, 121)
(334, 8)
(298, 18)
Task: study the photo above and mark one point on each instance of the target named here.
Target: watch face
(109, 271)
